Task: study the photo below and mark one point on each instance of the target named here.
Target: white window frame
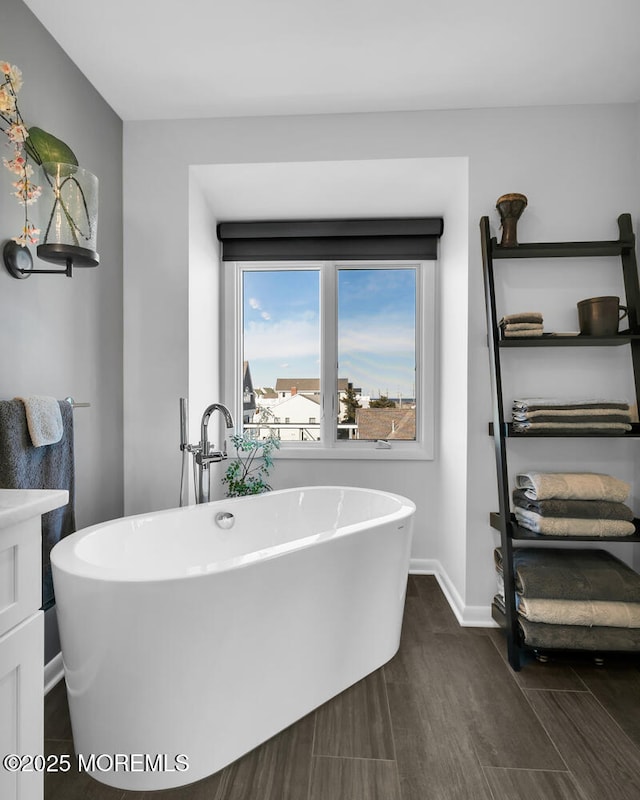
(422, 448)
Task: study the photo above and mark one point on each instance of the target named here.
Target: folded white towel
(44, 419)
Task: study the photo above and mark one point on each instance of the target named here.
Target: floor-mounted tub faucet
(204, 452)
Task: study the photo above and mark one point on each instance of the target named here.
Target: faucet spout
(204, 440)
(206, 455)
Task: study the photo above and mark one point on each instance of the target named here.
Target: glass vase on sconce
(67, 215)
(65, 198)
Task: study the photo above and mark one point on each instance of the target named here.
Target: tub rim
(65, 559)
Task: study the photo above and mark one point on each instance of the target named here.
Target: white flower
(13, 74)
(7, 101)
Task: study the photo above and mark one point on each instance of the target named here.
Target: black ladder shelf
(503, 520)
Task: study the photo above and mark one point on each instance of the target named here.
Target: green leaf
(43, 147)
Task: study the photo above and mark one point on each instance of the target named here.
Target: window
(343, 352)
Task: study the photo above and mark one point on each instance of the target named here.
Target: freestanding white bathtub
(186, 644)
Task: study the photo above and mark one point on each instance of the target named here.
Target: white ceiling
(155, 59)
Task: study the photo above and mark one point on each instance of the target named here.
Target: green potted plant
(247, 473)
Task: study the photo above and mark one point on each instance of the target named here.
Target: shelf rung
(511, 434)
(557, 340)
(560, 249)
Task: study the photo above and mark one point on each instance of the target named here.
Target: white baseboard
(467, 616)
(53, 673)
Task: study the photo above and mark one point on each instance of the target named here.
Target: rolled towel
(571, 574)
(572, 486)
(584, 509)
(573, 526)
(580, 612)
(44, 419)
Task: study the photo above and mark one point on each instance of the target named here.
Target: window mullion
(329, 353)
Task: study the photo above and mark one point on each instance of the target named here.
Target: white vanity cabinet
(22, 635)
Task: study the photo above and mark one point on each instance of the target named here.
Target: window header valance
(338, 239)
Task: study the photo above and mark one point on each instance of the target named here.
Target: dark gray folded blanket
(573, 419)
(547, 403)
(559, 428)
(565, 574)
(579, 637)
(582, 509)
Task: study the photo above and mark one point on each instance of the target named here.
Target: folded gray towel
(587, 509)
(572, 415)
(572, 574)
(524, 316)
(534, 403)
(544, 636)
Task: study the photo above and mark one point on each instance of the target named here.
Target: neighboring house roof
(386, 423)
(301, 384)
(305, 385)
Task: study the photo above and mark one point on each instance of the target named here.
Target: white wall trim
(53, 672)
(467, 616)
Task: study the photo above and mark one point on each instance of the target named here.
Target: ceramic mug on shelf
(599, 316)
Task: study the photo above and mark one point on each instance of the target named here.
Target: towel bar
(73, 403)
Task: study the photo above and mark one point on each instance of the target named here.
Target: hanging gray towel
(23, 466)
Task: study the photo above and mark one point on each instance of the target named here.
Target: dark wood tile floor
(446, 719)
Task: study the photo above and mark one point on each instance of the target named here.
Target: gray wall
(63, 336)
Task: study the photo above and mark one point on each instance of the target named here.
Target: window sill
(394, 453)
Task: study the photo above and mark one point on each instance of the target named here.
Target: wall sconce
(67, 216)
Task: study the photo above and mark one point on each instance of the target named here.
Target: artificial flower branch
(32, 143)
(16, 132)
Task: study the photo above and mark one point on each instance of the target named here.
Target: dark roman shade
(337, 239)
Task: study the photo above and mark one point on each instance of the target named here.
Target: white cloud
(287, 338)
(377, 335)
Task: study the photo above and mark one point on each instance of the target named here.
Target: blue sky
(376, 327)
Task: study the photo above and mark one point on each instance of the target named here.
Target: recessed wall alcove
(350, 189)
